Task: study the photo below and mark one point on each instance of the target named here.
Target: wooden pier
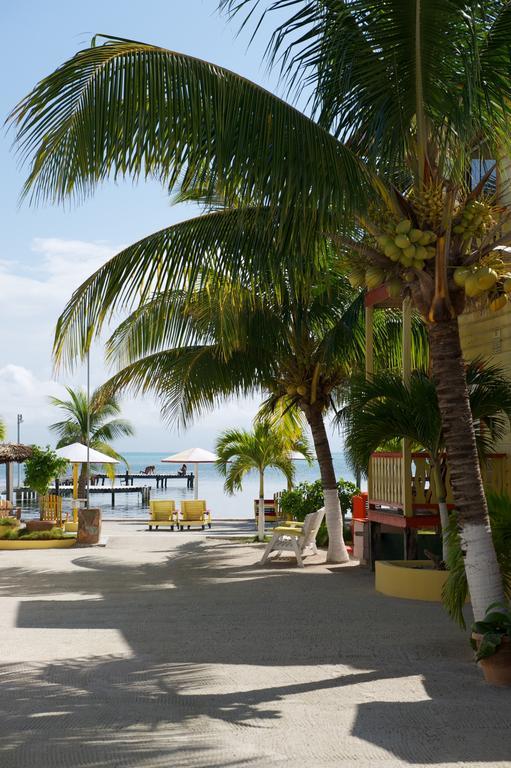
(26, 494)
(160, 478)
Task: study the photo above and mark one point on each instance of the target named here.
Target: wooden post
(113, 498)
(406, 495)
(369, 334)
(8, 481)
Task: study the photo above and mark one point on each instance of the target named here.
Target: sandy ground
(176, 649)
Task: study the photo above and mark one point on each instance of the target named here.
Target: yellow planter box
(34, 544)
(411, 579)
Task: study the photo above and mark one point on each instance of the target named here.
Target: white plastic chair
(295, 537)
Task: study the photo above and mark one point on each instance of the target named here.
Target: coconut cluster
(485, 280)
(474, 220)
(405, 247)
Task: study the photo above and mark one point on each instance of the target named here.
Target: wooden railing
(51, 508)
(386, 484)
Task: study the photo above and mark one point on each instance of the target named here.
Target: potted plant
(491, 640)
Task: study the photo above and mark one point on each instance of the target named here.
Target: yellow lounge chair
(194, 513)
(163, 513)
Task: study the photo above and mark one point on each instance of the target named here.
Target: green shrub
(8, 521)
(43, 466)
(455, 591)
(23, 535)
(308, 497)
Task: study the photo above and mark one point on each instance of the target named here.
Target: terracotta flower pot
(89, 526)
(497, 667)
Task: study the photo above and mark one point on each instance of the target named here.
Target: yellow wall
(488, 334)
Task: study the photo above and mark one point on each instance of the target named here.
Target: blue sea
(241, 505)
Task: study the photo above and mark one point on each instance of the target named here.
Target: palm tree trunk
(337, 552)
(483, 574)
(260, 522)
(82, 482)
(442, 507)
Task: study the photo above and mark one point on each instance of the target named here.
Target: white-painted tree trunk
(482, 569)
(337, 552)
(260, 522)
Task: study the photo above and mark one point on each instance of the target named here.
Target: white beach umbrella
(192, 456)
(297, 456)
(77, 453)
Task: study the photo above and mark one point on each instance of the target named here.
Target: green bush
(455, 590)
(23, 535)
(43, 466)
(308, 497)
(8, 521)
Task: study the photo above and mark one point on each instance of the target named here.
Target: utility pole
(19, 420)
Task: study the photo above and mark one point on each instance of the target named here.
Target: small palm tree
(385, 409)
(102, 427)
(3, 430)
(240, 451)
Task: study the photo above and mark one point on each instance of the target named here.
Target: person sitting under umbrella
(182, 471)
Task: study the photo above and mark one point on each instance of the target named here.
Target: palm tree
(102, 428)
(405, 98)
(239, 452)
(296, 346)
(384, 409)
(3, 430)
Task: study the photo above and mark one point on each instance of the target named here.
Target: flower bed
(22, 539)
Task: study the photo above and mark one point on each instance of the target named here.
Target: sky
(48, 251)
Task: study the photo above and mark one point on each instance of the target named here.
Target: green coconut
(383, 241)
(486, 278)
(405, 261)
(392, 252)
(403, 227)
(402, 241)
(415, 235)
(472, 287)
(421, 252)
(460, 276)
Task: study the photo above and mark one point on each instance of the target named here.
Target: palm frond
(126, 108)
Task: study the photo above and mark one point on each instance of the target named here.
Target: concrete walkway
(175, 649)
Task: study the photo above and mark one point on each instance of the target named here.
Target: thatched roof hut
(14, 452)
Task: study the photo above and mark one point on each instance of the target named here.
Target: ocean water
(241, 505)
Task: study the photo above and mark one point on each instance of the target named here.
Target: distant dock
(160, 478)
(127, 485)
